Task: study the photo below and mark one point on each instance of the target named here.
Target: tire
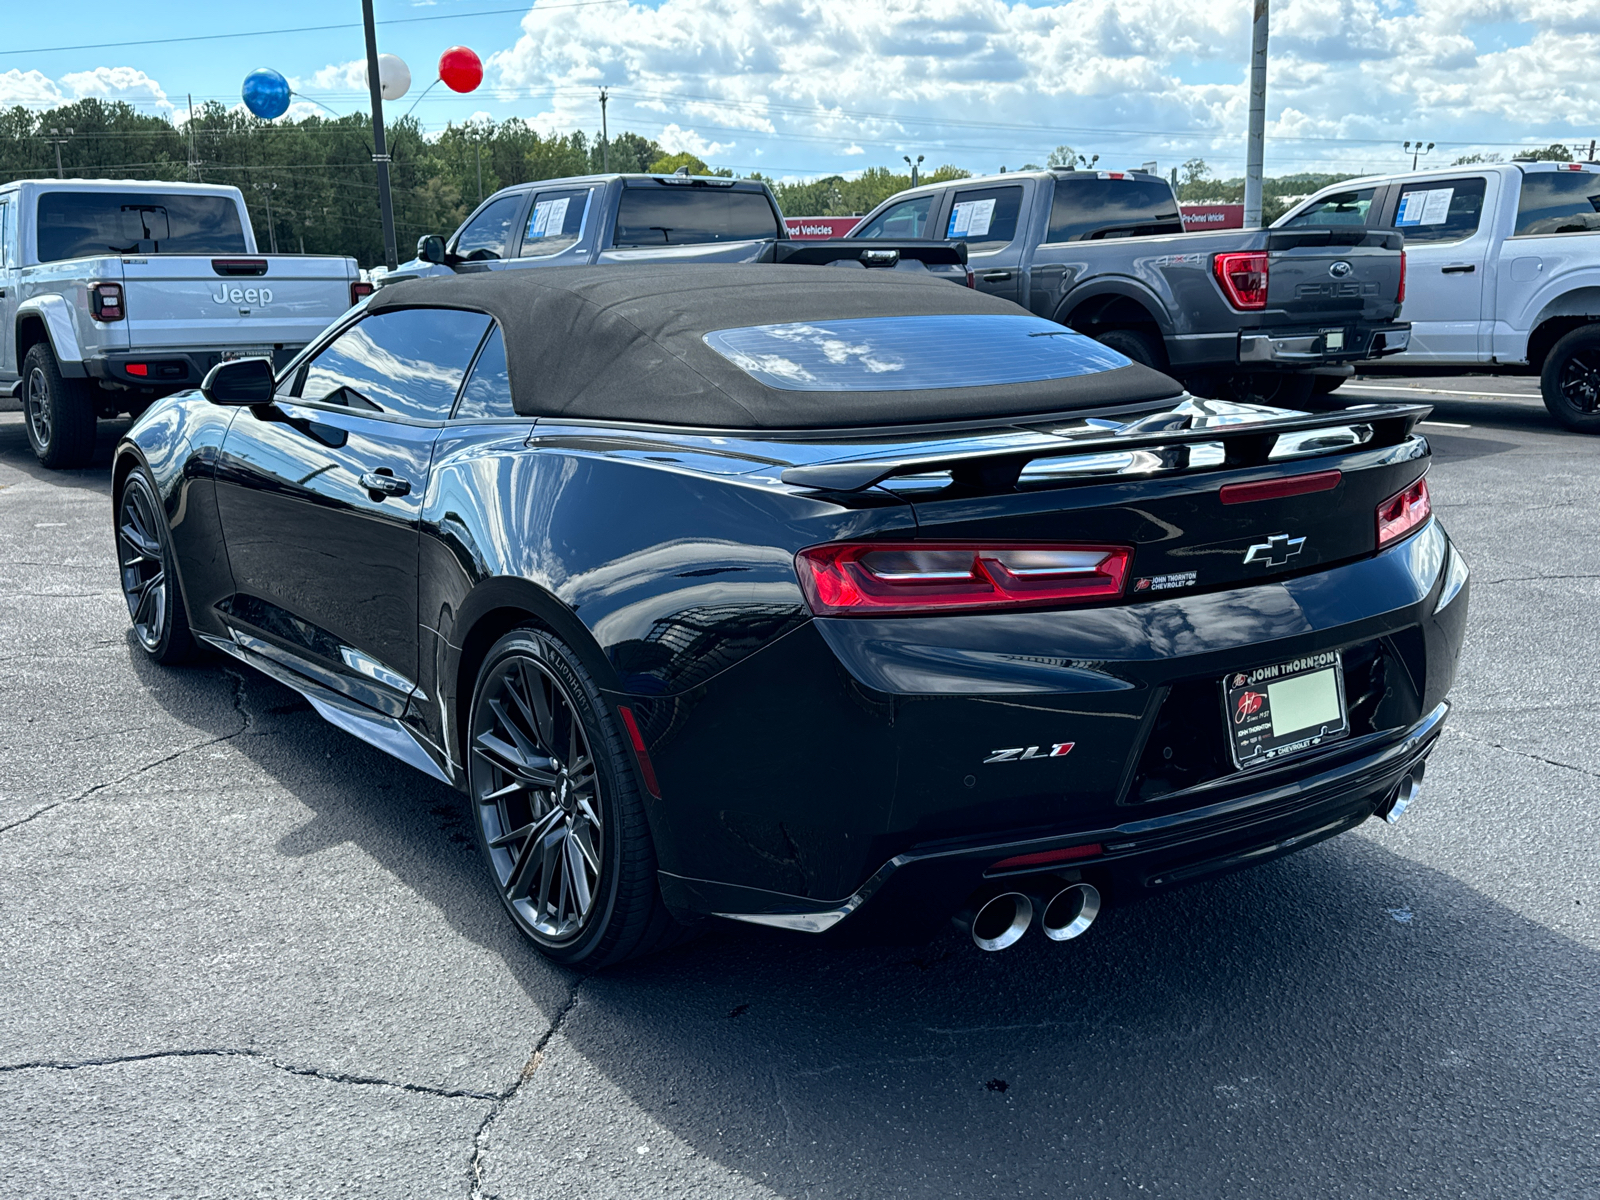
(1570, 381)
(1144, 348)
(1322, 385)
(557, 809)
(145, 568)
(1275, 389)
(57, 412)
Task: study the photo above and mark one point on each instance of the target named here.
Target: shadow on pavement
(17, 454)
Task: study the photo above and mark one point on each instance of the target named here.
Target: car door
(988, 219)
(320, 492)
(558, 227)
(488, 240)
(1447, 246)
(916, 217)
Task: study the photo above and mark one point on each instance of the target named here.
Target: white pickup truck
(1502, 271)
(114, 293)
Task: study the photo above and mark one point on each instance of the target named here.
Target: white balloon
(394, 77)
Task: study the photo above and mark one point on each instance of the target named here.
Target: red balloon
(461, 69)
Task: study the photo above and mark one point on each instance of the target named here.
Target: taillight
(141, 369)
(1243, 278)
(105, 302)
(868, 578)
(359, 291)
(1400, 296)
(1403, 512)
(1279, 489)
(972, 278)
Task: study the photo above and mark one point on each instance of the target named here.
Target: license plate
(1287, 708)
(1334, 340)
(246, 352)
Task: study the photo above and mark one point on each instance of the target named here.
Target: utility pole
(58, 140)
(605, 140)
(380, 152)
(1255, 148)
(1417, 151)
(272, 231)
(477, 151)
(194, 158)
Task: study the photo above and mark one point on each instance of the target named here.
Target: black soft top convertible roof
(626, 343)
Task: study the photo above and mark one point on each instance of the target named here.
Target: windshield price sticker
(971, 218)
(1431, 207)
(1285, 709)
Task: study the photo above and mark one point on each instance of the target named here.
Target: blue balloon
(266, 93)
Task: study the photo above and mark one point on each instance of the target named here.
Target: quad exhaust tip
(1000, 922)
(1070, 912)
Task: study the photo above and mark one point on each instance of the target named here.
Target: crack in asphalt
(1549, 762)
(254, 1056)
(248, 720)
(480, 1140)
(1532, 579)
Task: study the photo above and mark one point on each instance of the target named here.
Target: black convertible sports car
(816, 598)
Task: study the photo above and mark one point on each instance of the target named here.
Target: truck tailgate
(194, 301)
(1319, 274)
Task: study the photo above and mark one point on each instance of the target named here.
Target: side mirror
(240, 383)
(430, 249)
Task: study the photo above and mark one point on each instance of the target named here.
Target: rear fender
(1558, 316)
(1084, 308)
(49, 318)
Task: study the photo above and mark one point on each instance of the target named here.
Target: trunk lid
(183, 301)
(1322, 274)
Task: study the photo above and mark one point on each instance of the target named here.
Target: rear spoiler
(1293, 237)
(1244, 445)
(872, 252)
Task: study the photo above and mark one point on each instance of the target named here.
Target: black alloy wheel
(149, 582)
(1274, 389)
(1570, 380)
(1322, 385)
(58, 412)
(1144, 348)
(558, 814)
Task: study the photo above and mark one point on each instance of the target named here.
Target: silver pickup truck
(114, 293)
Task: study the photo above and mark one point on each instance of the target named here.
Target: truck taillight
(872, 578)
(1243, 278)
(972, 278)
(359, 291)
(105, 302)
(1400, 296)
(1403, 512)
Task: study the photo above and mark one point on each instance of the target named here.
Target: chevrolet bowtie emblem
(1276, 551)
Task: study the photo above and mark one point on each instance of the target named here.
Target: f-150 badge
(1022, 753)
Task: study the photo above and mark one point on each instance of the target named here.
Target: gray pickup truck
(620, 219)
(1251, 315)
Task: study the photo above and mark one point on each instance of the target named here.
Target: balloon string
(318, 103)
(418, 100)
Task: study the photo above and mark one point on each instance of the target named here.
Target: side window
(1440, 210)
(985, 219)
(486, 235)
(908, 219)
(1559, 202)
(556, 223)
(1341, 208)
(406, 363)
(5, 233)
(488, 390)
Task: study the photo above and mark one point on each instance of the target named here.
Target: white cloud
(336, 77)
(32, 89)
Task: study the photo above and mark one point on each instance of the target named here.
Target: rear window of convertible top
(904, 354)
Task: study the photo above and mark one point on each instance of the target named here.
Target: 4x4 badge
(1276, 551)
(1021, 753)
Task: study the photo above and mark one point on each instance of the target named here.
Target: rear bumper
(914, 893)
(169, 369)
(1312, 349)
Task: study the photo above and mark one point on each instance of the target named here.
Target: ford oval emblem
(1339, 269)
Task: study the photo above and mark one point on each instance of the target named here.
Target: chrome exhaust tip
(1070, 912)
(999, 922)
(1404, 795)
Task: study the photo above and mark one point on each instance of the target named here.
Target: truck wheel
(59, 412)
(1570, 380)
(1144, 348)
(1275, 389)
(1323, 384)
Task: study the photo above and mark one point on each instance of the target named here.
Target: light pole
(913, 166)
(1255, 147)
(380, 152)
(605, 140)
(57, 139)
(1417, 151)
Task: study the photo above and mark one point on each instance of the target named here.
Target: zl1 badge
(1024, 753)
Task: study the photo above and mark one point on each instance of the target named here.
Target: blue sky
(800, 87)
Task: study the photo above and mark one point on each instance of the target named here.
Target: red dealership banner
(1212, 216)
(811, 228)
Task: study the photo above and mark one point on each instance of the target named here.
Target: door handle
(1459, 269)
(382, 483)
(996, 276)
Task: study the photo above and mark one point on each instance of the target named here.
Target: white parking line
(1378, 387)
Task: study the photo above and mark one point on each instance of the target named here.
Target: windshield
(901, 354)
(79, 224)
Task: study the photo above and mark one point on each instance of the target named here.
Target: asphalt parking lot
(242, 954)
